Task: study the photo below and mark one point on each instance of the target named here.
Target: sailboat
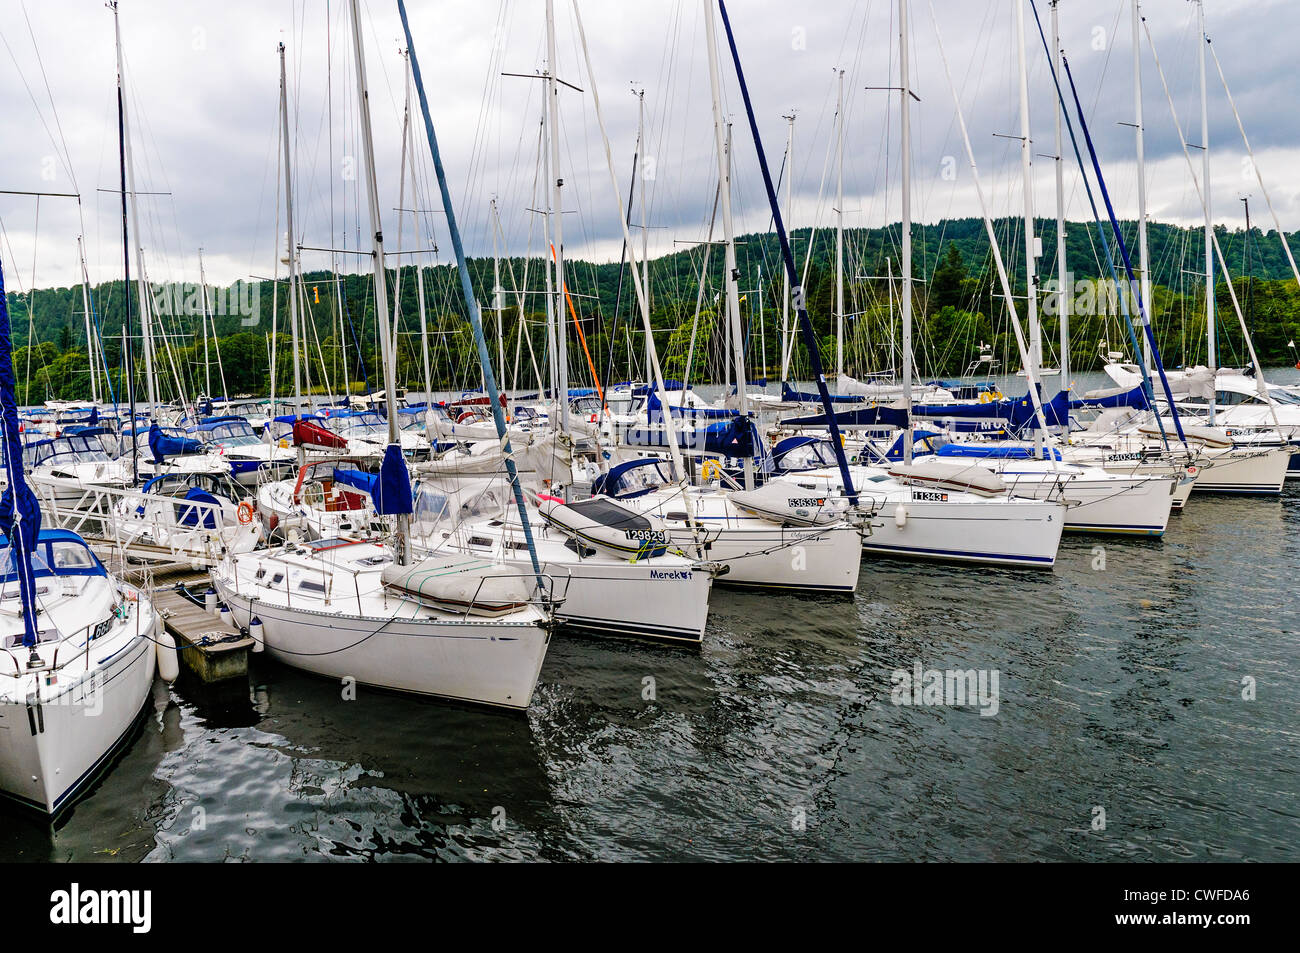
(77, 647)
(457, 627)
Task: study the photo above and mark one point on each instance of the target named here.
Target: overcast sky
(203, 96)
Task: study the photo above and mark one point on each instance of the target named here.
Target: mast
(730, 276)
(1144, 257)
(557, 183)
(401, 205)
(402, 542)
(1211, 354)
(789, 214)
(1064, 297)
(796, 293)
(839, 232)
(293, 259)
(85, 310)
(497, 291)
(126, 255)
(203, 323)
(645, 232)
(471, 304)
(905, 132)
(1027, 176)
(124, 145)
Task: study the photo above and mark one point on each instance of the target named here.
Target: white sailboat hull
(1243, 471)
(57, 740)
(393, 643)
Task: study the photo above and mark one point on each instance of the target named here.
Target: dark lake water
(1120, 689)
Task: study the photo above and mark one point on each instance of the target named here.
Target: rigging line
(53, 109)
(40, 115)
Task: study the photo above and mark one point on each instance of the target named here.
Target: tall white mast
(839, 231)
(1027, 175)
(402, 542)
(1211, 356)
(728, 230)
(1144, 257)
(203, 323)
(142, 291)
(90, 336)
(557, 230)
(1064, 297)
(905, 133)
(645, 230)
(498, 294)
(292, 258)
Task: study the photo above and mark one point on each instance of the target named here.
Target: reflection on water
(1119, 689)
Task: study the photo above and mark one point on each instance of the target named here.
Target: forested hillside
(957, 300)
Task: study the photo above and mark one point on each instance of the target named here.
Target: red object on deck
(310, 433)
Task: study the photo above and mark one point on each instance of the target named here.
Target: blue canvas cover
(393, 494)
(20, 514)
(163, 445)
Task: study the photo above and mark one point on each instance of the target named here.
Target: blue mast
(796, 289)
(471, 305)
(20, 514)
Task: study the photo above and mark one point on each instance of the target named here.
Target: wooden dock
(212, 651)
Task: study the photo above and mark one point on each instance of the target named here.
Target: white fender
(169, 663)
(255, 633)
(900, 516)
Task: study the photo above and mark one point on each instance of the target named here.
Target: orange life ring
(245, 512)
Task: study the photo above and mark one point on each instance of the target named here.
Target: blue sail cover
(393, 493)
(862, 417)
(1017, 417)
(20, 514)
(792, 396)
(162, 445)
(731, 438)
(1135, 399)
(990, 451)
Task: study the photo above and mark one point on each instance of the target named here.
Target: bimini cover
(608, 525)
(633, 478)
(790, 504)
(460, 584)
(163, 445)
(942, 476)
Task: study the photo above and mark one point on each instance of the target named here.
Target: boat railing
(135, 523)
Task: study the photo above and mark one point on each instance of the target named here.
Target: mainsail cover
(20, 514)
(162, 445)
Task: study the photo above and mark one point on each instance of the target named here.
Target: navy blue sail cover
(20, 514)
(163, 445)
